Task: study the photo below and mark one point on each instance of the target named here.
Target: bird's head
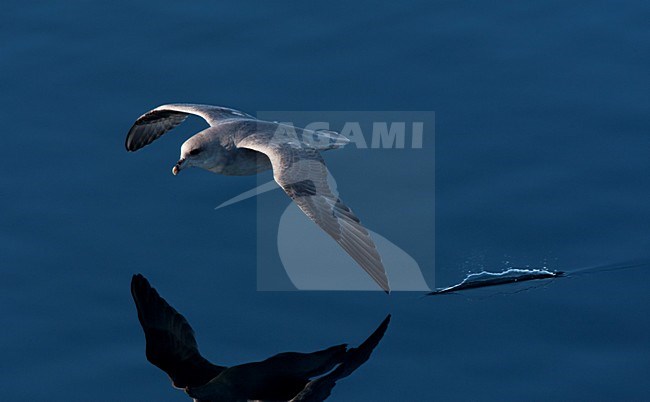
(197, 151)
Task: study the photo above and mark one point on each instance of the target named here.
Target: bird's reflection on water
(290, 376)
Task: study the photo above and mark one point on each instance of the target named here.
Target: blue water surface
(542, 159)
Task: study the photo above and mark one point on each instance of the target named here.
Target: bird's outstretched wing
(300, 170)
(153, 124)
(171, 345)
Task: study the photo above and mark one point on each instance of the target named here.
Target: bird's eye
(195, 151)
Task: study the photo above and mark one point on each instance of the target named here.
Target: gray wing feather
(153, 124)
(301, 172)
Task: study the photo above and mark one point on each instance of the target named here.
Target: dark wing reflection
(278, 378)
(290, 376)
(320, 388)
(170, 340)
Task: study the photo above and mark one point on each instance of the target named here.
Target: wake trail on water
(508, 276)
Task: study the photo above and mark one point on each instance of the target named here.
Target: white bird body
(238, 144)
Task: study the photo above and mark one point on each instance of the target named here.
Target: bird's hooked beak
(178, 166)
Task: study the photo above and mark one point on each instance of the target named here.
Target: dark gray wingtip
(383, 283)
(152, 125)
(128, 143)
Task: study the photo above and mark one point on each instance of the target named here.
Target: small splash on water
(517, 275)
(510, 275)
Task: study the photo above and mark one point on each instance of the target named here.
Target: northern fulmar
(237, 144)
